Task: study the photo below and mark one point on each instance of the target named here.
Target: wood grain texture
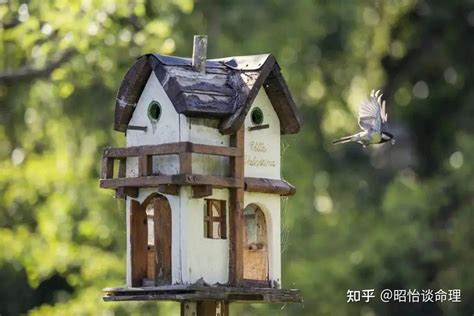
(182, 293)
(236, 205)
(145, 165)
(162, 235)
(200, 191)
(169, 149)
(138, 242)
(273, 186)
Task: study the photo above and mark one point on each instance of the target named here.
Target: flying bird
(373, 122)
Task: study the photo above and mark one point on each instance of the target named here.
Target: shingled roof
(226, 90)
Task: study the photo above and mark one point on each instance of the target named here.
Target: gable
(226, 91)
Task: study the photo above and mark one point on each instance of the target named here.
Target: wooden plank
(214, 150)
(162, 240)
(135, 151)
(185, 163)
(200, 191)
(122, 192)
(198, 293)
(107, 168)
(138, 242)
(273, 186)
(145, 165)
(151, 263)
(122, 168)
(170, 189)
(215, 181)
(170, 149)
(180, 179)
(150, 181)
(236, 219)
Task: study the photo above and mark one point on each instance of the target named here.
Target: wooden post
(205, 308)
(236, 217)
(199, 53)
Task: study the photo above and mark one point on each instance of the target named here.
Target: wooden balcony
(202, 185)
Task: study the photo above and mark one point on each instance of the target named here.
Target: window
(215, 219)
(154, 111)
(255, 228)
(256, 116)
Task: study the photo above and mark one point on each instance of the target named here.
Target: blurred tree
(395, 217)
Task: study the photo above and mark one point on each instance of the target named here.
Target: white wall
(271, 206)
(262, 147)
(205, 131)
(166, 130)
(202, 257)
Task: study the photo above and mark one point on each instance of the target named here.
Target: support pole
(205, 308)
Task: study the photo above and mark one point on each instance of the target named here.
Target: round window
(154, 111)
(257, 116)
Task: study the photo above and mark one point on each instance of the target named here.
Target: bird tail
(343, 140)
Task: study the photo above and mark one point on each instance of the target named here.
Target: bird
(373, 122)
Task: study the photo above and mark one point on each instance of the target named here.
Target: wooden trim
(171, 149)
(122, 192)
(162, 233)
(259, 127)
(170, 189)
(214, 150)
(272, 186)
(179, 179)
(138, 242)
(135, 151)
(193, 292)
(145, 165)
(107, 168)
(122, 168)
(185, 163)
(200, 191)
(256, 283)
(236, 206)
(137, 128)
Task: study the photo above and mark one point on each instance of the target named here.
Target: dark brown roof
(225, 91)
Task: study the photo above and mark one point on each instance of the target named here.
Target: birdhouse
(201, 176)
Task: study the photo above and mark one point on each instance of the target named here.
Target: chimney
(199, 53)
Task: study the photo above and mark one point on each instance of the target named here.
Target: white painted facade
(195, 257)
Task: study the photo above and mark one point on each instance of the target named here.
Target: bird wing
(372, 112)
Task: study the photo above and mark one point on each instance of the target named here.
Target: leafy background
(396, 217)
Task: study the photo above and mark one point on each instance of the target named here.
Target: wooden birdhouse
(201, 176)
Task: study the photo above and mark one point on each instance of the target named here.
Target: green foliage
(395, 217)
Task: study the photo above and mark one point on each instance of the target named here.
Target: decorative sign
(258, 149)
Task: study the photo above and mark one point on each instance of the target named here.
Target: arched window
(255, 244)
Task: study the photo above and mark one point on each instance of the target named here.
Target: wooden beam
(170, 149)
(145, 165)
(236, 218)
(122, 192)
(183, 293)
(135, 151)
(122, 168)
(200, 191)
(272, 186)
(180, 179)
(185, 163)
(214, 150)
(107, 168)
(138, 242)
(170, 189)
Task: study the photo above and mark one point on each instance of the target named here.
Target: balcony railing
(169, 184)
